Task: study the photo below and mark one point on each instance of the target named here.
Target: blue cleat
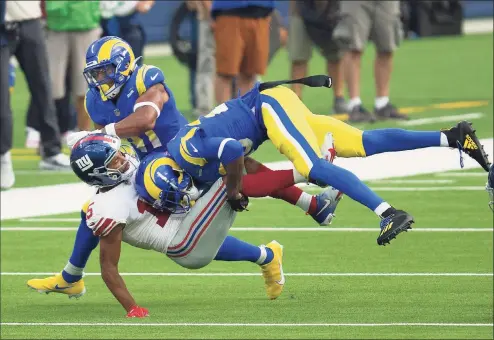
(326, 205)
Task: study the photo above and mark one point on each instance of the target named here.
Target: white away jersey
(145, 227)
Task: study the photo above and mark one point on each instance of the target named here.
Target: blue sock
(386, 140)
(325, 173)
(234, 249)
(84, 244)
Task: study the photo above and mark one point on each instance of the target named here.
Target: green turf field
(428, 283)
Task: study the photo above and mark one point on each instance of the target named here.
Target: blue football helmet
(109, 63)
(490, 187)
(91, 159)
(164, 185)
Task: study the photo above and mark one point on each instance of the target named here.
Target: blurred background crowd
(226, 45)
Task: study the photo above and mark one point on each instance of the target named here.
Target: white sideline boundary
(185, 324)
(259, 274)
(294, 229)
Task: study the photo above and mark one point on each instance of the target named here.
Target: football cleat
(56, 284)
(326, 205)
(392, 225)
(463, 137)
(274, 279)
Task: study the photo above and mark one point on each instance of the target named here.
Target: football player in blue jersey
(215, 145)
(128, 100)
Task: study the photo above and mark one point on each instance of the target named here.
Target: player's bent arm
(146, 110)
(110, 247)
(230, 153)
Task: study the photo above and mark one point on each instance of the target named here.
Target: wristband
(110, 129)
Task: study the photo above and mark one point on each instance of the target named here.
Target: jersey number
(162, 217)
(89, 212)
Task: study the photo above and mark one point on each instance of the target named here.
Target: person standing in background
(241, 33)
(123, 19)
(204, 74)
(380, 22)
(66, 112)
(300, 42)
(71, 27)
(22, 36)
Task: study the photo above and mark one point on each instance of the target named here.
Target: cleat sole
(392, 235)
(71, 296)
(468, 130)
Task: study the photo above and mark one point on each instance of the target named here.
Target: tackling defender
(215, 145)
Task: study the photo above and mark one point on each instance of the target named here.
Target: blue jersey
(202, 148)
(104, 111)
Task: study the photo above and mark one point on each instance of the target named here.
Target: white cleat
(57, 162)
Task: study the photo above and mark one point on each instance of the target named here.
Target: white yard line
(462, 174)
(414, 181)
(295, 229)
(442, 119)
(259, 274)
(186, 324)
(44, 173)
(444, 188)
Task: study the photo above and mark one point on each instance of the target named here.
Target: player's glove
(73, 138)
(239, 204)
(137, 312)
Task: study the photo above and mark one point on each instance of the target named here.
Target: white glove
(73, 138)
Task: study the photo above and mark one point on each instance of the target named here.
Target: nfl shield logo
(116, 112)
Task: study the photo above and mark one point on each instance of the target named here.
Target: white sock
(354, 102)
(444, 140)
(304, 201)
(381, 102)
(382, 208)
(298, 178)
(263, 255)
(73, 270)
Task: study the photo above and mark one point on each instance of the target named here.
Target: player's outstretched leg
(352, 142)
(462, 136)
(262, 181)
(70, 281)
(269, 257)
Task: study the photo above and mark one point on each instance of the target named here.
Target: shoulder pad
(147, 76)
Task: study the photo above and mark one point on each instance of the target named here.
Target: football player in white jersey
(166, 213)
